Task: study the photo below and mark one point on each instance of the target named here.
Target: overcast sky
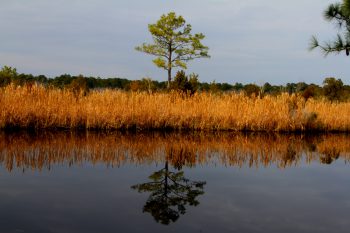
(250, 41)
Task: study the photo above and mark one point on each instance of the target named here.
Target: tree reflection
(170, 192)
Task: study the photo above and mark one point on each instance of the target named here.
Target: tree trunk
(166, 179)
(170, 51)
(169, 77)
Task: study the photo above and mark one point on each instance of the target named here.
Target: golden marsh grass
(43, 108)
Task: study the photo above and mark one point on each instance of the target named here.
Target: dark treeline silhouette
(332, 88)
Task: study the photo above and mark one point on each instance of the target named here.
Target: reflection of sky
(308, 198)
(249, 40)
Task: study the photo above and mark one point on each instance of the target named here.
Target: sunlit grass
(42, 108)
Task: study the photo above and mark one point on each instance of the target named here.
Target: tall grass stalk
(44, 108)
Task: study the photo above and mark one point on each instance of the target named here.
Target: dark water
(66, 182)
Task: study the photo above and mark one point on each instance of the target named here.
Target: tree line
(332, 88)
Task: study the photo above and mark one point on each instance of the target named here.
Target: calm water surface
(69, 182)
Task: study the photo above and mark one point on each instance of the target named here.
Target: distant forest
(332, 88)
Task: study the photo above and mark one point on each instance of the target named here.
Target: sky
(250, 41)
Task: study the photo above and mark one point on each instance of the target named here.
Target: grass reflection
(43, 150)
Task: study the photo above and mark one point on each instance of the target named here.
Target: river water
(183, 182)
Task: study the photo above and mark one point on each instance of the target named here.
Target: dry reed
(43, 108)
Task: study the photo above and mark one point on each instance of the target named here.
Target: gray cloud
(249, 40)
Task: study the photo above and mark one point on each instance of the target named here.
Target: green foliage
(301, 86)
(173, 44)
(10, 75)
(193, 82)
(338, 13)
(180, 81)
(291, 88)
(251, 90)
(225, 87)
(214, 87)
(61, 81)
(220, 87)
(7, 74)
(269, 89)
(238, 87)
(333, 89)
(186, 84)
